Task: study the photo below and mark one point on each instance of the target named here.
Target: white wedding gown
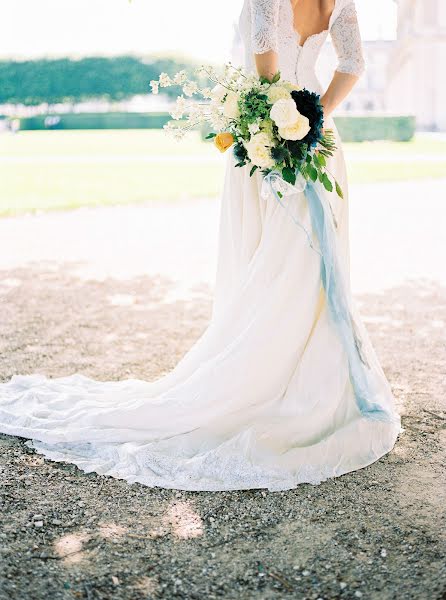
(264, 399)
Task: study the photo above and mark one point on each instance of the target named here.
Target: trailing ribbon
(323, 228)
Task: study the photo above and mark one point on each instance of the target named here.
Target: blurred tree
(58, 80)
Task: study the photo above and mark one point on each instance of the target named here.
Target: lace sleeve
(264, 25)
(347, 41)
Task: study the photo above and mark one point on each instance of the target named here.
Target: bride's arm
(264, 36)
(267, 64)
(347, 43)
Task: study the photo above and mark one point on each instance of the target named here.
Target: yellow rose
(223, 141)
(296, 131)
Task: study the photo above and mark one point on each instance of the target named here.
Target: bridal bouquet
(274, 126)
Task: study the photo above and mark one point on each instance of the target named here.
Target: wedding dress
(268, 396)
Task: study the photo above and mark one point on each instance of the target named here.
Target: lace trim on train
(213, 471)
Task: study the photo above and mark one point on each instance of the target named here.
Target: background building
(416, 72)
(404, 76)
(370, 94)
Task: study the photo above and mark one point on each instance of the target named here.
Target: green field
(66, 169)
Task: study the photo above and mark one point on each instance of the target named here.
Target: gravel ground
(378, 533)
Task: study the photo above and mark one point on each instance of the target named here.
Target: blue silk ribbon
(338, 298)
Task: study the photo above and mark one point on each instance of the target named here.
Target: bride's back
(297, 30)
(311, 17)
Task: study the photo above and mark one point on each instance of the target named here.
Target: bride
(276, 392)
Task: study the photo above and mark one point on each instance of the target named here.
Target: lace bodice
(268, 25)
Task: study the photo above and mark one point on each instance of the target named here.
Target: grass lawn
(66, 169)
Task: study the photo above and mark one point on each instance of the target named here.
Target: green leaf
(320, 158)
(211, 135)
(339, 190)
(289, 175)
(326, 182)
(312, 172)
(276, 77)
(252, 171)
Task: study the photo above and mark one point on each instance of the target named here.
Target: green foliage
(113, 78)
(361, 129)
(312, 172)
(339, 190)
(275, 79)
(112, 120)
(280, 154)
(255, 106)
(289, 175)
(240, 153)
(326, 182)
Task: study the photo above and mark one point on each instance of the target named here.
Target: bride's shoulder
(339, 6)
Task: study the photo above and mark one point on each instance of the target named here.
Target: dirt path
(375, 534)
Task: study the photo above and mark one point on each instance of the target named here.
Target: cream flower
(216, 118)
(254, 128)
(180, 77)
(190, 88)
(291, 87)
(179, 109)
(197, 113)
(155, 86)
(176, 132)
(165, 80)
(284, 112)
(259, 150)
(230, 106)
(218, 93)
(277, 92)
(296, 131)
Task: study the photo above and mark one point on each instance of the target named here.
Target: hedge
(351, 128)
(371, 128)
(33, 82)
(111, 120)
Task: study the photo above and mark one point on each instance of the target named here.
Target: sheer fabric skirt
(262, 400)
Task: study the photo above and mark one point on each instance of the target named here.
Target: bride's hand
(327, 113)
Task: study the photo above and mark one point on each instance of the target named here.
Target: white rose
(277, 92)
(259, 151)
(296, 131)
(284, 112)
(261, 138)
(230, 106)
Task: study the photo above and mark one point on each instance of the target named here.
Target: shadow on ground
(377, 533)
